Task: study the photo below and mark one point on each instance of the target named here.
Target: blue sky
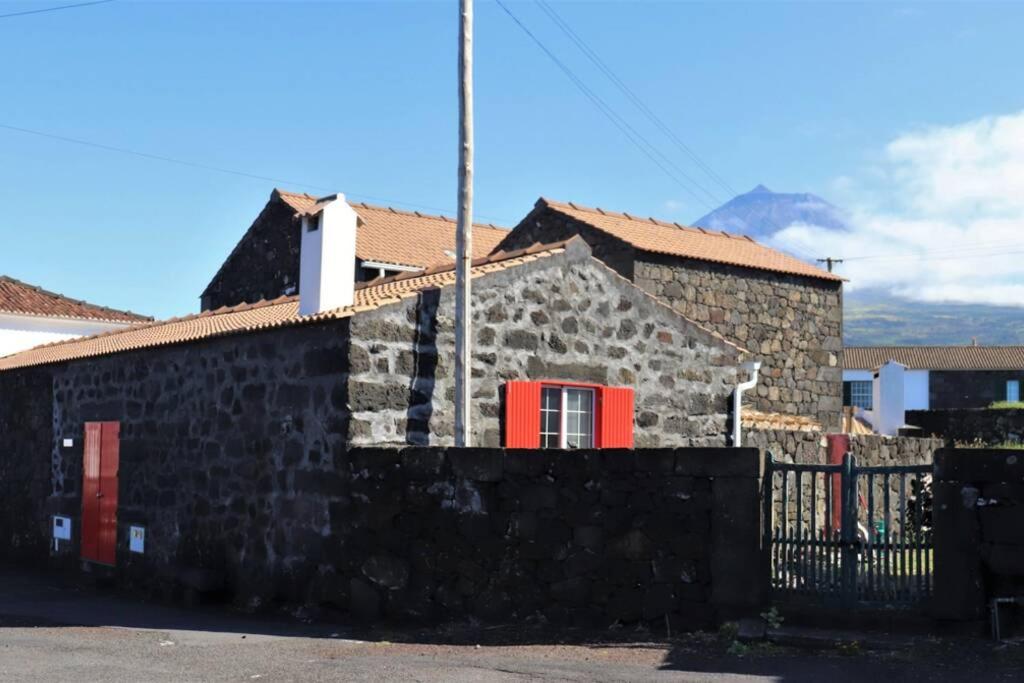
(361, 98)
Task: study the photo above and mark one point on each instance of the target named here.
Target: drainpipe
(737, 399)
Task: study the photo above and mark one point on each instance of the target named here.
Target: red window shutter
(522, 415)
(616, 421)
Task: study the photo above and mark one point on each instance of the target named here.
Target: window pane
(860, 394)
(1013, 391)
(550, 417)
(579, 418)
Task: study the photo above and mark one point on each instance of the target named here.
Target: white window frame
(1014, 396)
(853, 385)
(563, 422)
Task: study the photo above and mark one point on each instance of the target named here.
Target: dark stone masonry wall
(792, 324)
(26, 428)
(959, 389)
(559, 318)
(264, 264)
(587, 538)
(986, 427)
(979, 530)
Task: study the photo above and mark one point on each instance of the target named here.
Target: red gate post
(838, 446)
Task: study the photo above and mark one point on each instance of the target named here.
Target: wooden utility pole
(464, 229)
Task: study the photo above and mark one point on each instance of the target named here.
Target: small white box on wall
(61, 528)
(69, 443)
(137, 539)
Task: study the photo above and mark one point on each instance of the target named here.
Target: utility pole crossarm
(829, 261)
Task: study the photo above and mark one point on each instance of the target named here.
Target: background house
(30, 316)
(265, 263)
(786, 311)
(938, 377)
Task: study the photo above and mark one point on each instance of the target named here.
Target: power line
(631, 133)
(633, 97)
(595, 58)
(218, 169)
(53, 9)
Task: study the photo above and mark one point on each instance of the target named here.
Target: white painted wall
(889, 414)
(915, 390)
(20, 332)
(915, 386)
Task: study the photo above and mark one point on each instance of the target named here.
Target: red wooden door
(99, 491)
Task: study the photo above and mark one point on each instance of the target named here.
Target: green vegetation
(978, 443)
(873, 318)
(1006, 405)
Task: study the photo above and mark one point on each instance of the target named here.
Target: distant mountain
(875, 317)
(761, 213)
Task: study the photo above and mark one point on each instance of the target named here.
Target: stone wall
(263, 265)
(793, 324)
(979, 529)
(26, 432)
(987, 427)
(811, 447)
(951, 390)
(587, 538)
(568, 319)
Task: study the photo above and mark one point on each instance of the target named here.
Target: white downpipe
(753, 367)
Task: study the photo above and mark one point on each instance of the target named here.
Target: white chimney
(888, 409)
(327, 256)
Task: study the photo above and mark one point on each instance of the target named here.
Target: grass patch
(1006, 405)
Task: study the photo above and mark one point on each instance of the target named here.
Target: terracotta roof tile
(407, 238)
(650, 234)
(936, 357)
(24, 299)
(263, 315)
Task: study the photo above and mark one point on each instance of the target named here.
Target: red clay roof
(281, 312)
(935, 357)
(650, 234)
(23, 299)
(406, 238)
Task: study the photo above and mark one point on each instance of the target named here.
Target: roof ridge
(392, 209)
(555, 204)
(495, 257)
(131, 316)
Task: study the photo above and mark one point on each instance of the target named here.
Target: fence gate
(847, 536)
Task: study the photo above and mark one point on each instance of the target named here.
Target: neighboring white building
(31, 316)
(937, 377)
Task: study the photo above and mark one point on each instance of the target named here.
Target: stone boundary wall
(811, 447)
(26, 429)
(979, 529)
(577, 538)
(990, 427)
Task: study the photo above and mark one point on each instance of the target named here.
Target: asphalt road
(52, 632)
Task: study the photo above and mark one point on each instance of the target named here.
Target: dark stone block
(389, 572)
(477, 464)
(364, 600)
(719, 462)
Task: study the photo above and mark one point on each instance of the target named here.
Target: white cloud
(952, 226)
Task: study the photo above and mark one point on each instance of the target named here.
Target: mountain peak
(761, 213)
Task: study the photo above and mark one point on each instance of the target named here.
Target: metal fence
(847, 534)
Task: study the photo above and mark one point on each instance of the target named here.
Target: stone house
(786, 311)
(216, 421)
(264, 265)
